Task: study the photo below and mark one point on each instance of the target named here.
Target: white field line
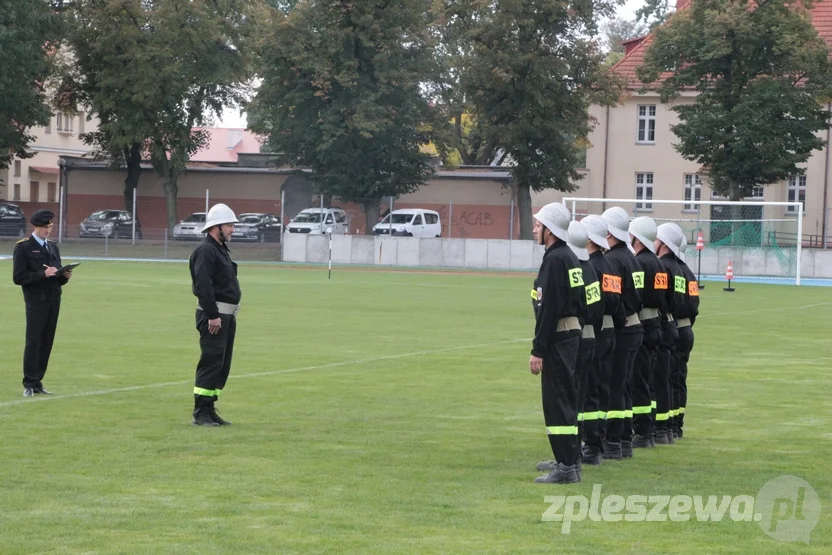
(42, 398)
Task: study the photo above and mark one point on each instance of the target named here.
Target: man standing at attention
(214, 283)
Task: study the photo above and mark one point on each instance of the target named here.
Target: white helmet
(219, 214)
(555, 216)
(618, 221)
(596, 228)
(578, 238)
(682, 248)
(671, 236)
(644, 229)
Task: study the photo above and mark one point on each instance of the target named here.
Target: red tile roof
(821, 18)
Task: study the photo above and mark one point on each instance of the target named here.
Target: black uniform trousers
(587, 364)
(620, 410)
(560, 395)
(680, 376)
(215, 361)
(41, 322)
(597, 398)
(642, 381)
(665, 361)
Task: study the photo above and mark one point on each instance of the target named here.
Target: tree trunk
(133, 158)
(524, 207)
(171, 190)
(371, 215)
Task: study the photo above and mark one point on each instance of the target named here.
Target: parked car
(257, 226)
(309, 221)
(190, 227)
(110, 223)
(12, 220)
(412, 222)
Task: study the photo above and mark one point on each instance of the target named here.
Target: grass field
(379, 412)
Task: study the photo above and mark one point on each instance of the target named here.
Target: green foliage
(760, 73)
(654, 12)
(28, 31)
(618, 31)
(154, 69)
(341, 95)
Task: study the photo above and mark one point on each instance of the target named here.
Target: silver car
(190, 227)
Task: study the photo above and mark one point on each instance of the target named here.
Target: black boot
(203, 407)
(562, 474)
(612, 450)
(591, 455)
(640, 441)
(215, 416)
(627, 449)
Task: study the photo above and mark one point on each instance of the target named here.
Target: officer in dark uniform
(685, 321)
(559, 305)
(596, 402)
(215, 284)
(36, 264)
(668, 239)
(654, 300)
(618, 435)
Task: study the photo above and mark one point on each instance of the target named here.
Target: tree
(155, 69)
(341, 95)
(618, 31)
(654, 13)
(28, 31)
(760, 74)
(530, 77)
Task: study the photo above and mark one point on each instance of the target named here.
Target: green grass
(378, 412)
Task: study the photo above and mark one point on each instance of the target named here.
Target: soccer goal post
(762, 240)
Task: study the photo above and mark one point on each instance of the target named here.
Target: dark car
(257, 227)
(110, 223)
(12, 220)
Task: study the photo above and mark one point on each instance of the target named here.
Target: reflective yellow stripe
(628, 414)
(680, 285)
(681, 410)
(217, 392)
(593, 293)
(602, 414)
(562, 430)
(638, 280)
(588, 416)
(580, 417)
(616, 414)
(204, 392)
(642, 410)
(576, 277)
(661, 417)
(653, 405)
(534, 294)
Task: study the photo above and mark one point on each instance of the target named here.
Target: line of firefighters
(615, 306)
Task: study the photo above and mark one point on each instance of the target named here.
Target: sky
(233, 119)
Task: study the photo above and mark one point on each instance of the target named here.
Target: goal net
(760, 239)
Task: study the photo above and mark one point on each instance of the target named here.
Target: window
(340, 217)
(16, 191)
(48, 128)
(64, 123)
(693, 191)
(34, 191)
(60, 119)
(431, 218)
(644, 191)
(52, 192)
(758, 191)
(17, 168)
(797, 192)
(81, 118)
(647, 123)
(417, 219)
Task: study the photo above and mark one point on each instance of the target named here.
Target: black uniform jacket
(624, 264)
(29, 270)
(559, 292)
(691, 305)
(610, 288)
(657, 281)
(677, 282)
(214, 276)
(594, 300)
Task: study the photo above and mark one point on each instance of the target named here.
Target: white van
(309, 221)
(410, 222)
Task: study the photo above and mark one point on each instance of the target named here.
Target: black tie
(46, 248)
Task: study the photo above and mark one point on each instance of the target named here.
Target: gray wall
(526, 255)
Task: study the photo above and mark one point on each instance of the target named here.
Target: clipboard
(68, 267)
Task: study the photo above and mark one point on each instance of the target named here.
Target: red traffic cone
(700, 246)
(700, 243)
(729, 275)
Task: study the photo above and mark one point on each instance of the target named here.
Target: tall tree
(760, 72)
(531, 76)
(342, 95)
(28, 31)
(655, 12)
(617, 31)
(155, 69)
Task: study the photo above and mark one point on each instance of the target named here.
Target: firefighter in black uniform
(596, 400)
(668, 239)
(35, 269)
(559, 305)
(617, 442)
(654, 309)
(685, 321)
(215, 284)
